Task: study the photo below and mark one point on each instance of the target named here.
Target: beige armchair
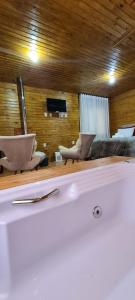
(39, 154)
(18, 152)
(80, 150)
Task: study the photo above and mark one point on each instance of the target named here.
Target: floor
(54, 170)
(51, 164)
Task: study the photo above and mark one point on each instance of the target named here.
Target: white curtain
(94, 115)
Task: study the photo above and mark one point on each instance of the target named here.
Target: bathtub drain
(97, 212)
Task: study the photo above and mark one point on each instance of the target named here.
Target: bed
(121, 144)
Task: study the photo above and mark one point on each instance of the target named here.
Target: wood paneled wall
(53, 131)
(122, 110)
(9, 109)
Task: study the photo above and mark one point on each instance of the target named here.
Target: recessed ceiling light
(112, 80)
(33, 56)
(112, 77)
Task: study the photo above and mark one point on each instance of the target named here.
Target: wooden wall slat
(122, 110)
(9, 109)
(53, 131)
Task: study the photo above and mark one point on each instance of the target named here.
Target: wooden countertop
(59, 170)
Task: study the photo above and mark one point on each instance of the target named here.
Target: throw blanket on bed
(112, 146)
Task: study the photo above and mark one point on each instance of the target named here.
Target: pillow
(35, 146)
(125, 132)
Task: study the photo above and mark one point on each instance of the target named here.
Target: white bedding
(124, 132)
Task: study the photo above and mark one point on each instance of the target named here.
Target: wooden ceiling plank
(80, 41)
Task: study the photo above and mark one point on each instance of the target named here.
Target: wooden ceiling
(78, 41)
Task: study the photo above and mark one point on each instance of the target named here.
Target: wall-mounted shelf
(55, 115)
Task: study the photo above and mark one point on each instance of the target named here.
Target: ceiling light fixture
(112, 78)
(33, 56)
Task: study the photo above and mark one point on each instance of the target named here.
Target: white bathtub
(57, 249)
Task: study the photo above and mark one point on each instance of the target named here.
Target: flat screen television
(56, 105)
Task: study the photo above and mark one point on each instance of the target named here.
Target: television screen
(56, 105)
